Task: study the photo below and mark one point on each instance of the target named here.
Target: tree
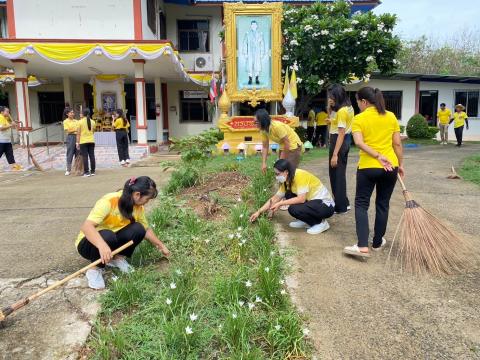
(325, 44)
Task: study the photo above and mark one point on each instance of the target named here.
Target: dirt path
(40, 215)
(360, 310)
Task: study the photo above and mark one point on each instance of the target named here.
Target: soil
(365, 310)
(211, 198)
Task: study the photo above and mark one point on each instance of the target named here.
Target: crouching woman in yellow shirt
(121, 126)
(308, 199)
(116, 219)
(377, 133)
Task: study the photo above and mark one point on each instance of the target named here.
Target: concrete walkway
(362, 310)
(40, 216)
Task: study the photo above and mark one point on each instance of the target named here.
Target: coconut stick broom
(21, 303)
(426, 245)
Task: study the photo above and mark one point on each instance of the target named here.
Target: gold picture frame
(252, 84)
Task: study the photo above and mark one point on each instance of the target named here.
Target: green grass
(223, 294)
(471, 169)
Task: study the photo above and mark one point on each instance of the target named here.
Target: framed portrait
(253, 43)
(109, 102)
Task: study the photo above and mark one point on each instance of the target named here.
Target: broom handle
(404, 188)
(21, 303)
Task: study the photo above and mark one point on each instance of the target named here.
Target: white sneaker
(95, 278)
(122, 162)
(384, 242)
(86, 175)
(121, 263)
(319, 228)
(298, 224)
(127, 161)
(349, 208)
(355, 251)
(67, 173)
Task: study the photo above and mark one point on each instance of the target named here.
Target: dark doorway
(4, 98)
(246, 110)
(51, 106)
(428, 106)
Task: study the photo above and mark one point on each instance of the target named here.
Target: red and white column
(140, 101)
(21, 93)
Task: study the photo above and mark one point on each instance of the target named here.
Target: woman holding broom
(116, 219)
(377, 133)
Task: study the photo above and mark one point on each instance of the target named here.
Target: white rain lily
(272, 253)
(173, 285)
(315, 17)
(153, 225)
(283, 292)
(264, 190)
(308, 27)
(277, 327)
(364, 33)
(321, 82)
(331, 46)
(238, 235)
(231, 236)
(348, 30)
(322, 59)
(168, 301)
(395, 61)
(251, 306)
(239, 199)
(243, 241)
(188, 330)
(114, 277)
(380, 26)
(305, 332)
(299, 80)
(354, 22)
(240, 244)
(369, 58)
(379, 51)
(267, 269)
(207, 241)
(281, 282)
(358, 42)
(324, 32)
(241, 216)
(323, 47)
(258, 299)
(234, 316)
(193, 316)
(241, 303)
(294, 42)
(248, 283)
(239, 228)
(178, 272)
(354, 58)
(285, 57)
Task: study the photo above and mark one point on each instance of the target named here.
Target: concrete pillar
(67, 91)
(159, 110)
(140, 101)
(21, 93)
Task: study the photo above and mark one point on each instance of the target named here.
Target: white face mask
(281, 178)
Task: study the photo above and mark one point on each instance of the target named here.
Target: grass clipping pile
(210, 198)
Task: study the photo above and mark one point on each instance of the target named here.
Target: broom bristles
(426, 245)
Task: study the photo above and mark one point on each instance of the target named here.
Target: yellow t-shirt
(278, 131)
(459, 119)
(118, 124)
(322, 117)
(4, 121)
(444, 116)
(70, 126)
(311, 118)
(377, 131)
(307, 183)
(86, 136)
(107, 216)
(343, 119)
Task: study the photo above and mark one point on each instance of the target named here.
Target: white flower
(379, 51)
(173, 285)
(207, 241)
(267, 269)
(243, 241)
(364, 33)
(240, 244)
(114, 277)
(231, 236)
(283, 292)
(264, 189)
(332, 46)
(239, 228)
(323, 47)
(308, 27)
(178, 272)
(188, 330)
(395, 61)
(324, 32)
(305, 332)
(285, 57)
(316, 34)
(193, 316)
(238, 235)
(241, 216)
(281, 282)
(358, 42)
(369, 58)
(153, 225)
(294, 42)
(315, 17)
(277, 327)
(354, 22)
(322, 59)
(241, 303)
(348, 30)
(251, 306)
(321, 82)
(168, 301)
(299, 80)
(248, 283)
(234, 316)
(272, 253)
(239, 199)
(380, 26)
(258, 299)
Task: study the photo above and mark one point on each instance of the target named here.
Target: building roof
(430, 77)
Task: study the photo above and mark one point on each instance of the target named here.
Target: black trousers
(338, 181)
(122, 144)
(312, 212)
(320, 135)
(135, 232)
(310, 133)
(88, 151)
(459, 134)
(384, 182)
(7, 149)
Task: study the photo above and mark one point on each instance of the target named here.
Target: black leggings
(312, 212)
(310, 133)
(320, 135)
(384, 182)
(459, 134)
(135, 232)
(88, 151)
(122, 144)
(338, 180)
(7, 149)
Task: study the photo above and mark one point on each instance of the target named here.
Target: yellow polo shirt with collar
(278, 131)
(444, 116)
(459, 119)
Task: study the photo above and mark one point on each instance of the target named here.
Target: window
(194, 106)
(3, 22)
(51, 106)
(193, 35)
(152, 16)
(393, 102)
(469, 99)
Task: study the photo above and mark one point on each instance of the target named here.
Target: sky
(439, 19)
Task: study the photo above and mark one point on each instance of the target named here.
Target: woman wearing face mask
(308, 199)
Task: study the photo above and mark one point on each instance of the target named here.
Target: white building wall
(74, 19)
(212, 14)
(175, 127)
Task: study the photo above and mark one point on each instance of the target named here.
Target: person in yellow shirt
(444, 116)
(86, 142)
(311, 124)
(121, 125)
(70, 125)
(321, 129)
(116, 219)
(377, 133)
(460, 119)
(6, 146)
(340, 139)
(308, 200)
(282, 134)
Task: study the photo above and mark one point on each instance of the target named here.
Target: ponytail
(144, 185)
(374, 96)
(86, 113)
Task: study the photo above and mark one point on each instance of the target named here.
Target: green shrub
(432, 132)
(402, 129)
(197, 147)
(417, 128)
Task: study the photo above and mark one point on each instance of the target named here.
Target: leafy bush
(402, 129)
(432, 131)
(197, 147)
(417, 128)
